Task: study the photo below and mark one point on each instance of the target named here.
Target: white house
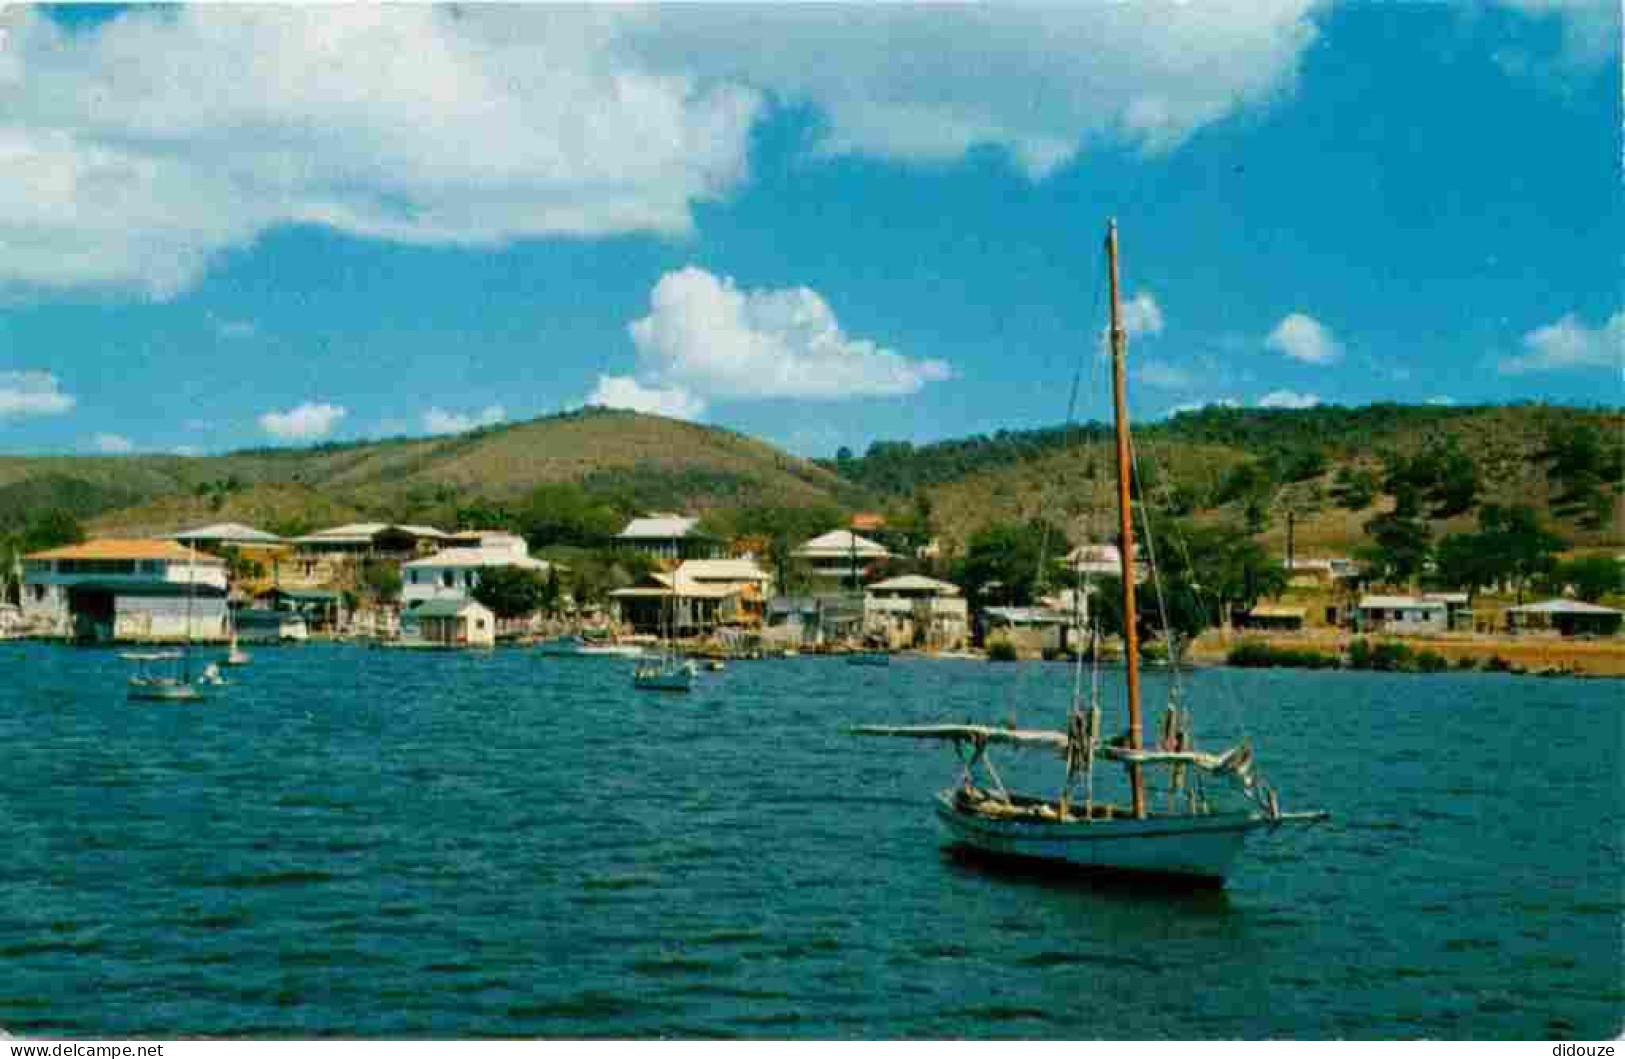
(457, 623)
(840, 557)
(455, 572)
(662, 535)
(1102, 560)
(915, 611)
(1402, 614)
(125, 589)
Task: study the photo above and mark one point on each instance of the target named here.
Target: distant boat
(572, 646)
(665, 674)
(668, 672)
(176, 686)
(151, 686)
(1190, 838)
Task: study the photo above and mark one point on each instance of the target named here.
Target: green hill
(1218, 464)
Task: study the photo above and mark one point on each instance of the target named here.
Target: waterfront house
(258, 553)
(318, 609)
(812, 621)
(915, 611)
(1565, 617)
(699, 597)
(840, 558)
(125, 589)
(1402, 615)
(264, 625)
(454, 574)
(456, 623)
(668, 538)
(1032, 631)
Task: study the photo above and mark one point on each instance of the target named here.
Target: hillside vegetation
(1331, 470)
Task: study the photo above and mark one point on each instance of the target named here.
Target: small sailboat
(667, 672)
(1193, 837)
(571, 645)
(150, 685)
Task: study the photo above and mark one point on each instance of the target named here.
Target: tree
(51, 529)
(1003, 564)
(1354, 489)
(382, 579)
(1510, 547)
(1462, 561)
(1587, 470)
(1402, 545)
(1593, 577)
(482, 514)
(551, 592)
(511, 591)
(565, 513)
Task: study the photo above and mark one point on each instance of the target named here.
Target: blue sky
(823, 226)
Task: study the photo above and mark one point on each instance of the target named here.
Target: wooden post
(1125, 522)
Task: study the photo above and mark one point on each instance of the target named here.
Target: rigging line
(1226, 680)
(1069, 427)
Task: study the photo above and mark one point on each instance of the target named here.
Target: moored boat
(1194, 838)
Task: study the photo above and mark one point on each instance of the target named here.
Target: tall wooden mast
(1125, 522)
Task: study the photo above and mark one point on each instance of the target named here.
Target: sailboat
(667, 672)
(152, 686)
(1190, 838)
(235, 656)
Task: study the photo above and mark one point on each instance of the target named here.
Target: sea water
(359, 843)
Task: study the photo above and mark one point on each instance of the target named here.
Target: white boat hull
(163, 691)
(1197, 848)
(574, 648)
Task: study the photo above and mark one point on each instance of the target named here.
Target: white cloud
(307, 422)
(144, 147)
(138, 150)
(1142, 315)
(1197, 406)
(112, 444)
(31, 393)
(1302, 337)
(931, 82)
(707, 337)
(1288, 399)
(1569, 343)
(186, 450)
(438, 421)
(623, 391)
(1164, 376)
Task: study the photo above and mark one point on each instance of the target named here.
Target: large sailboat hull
(1199, 849)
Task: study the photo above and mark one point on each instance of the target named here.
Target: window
(448, 579)
(411, 577)
(39, 592)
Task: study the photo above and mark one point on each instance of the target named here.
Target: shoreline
(1532, 654)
